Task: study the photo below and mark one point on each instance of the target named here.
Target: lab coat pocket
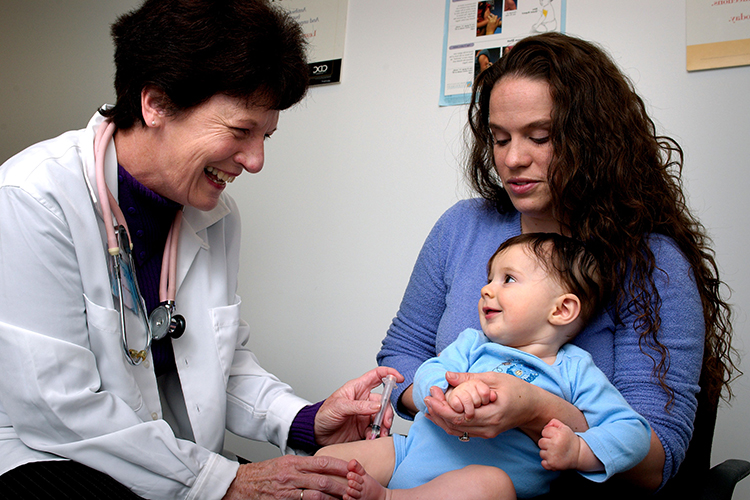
(114, 370)
(226, 324)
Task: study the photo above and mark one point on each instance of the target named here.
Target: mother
(90, 407)
(562, 143)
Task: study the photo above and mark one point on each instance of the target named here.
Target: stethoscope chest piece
(164, 323)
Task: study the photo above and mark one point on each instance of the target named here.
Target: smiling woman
(199, 84)
(189, 156)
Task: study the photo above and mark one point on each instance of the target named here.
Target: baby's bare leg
(377, 456)
(474, 482)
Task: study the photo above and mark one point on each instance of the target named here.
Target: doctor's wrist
(302, 430)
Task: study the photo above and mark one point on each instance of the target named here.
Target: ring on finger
(464, 438)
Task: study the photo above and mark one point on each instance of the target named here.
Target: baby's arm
(465, 397)
(454, 358)
(560, 449)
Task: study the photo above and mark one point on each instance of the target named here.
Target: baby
(541, 290)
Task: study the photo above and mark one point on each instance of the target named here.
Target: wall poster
(324, 25)
(478, 33)
(717, 33)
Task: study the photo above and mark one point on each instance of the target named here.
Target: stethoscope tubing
(168, 276)
(106, 200)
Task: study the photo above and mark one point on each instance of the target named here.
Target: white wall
(358, 173)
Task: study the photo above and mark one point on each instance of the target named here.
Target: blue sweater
(441, 301)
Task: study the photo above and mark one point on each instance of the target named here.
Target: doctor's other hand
(347, 414)
(287, 477)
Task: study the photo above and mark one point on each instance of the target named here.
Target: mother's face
(520, 120)
(201, 150)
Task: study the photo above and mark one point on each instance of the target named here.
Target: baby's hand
(469, 395)
(559, 446)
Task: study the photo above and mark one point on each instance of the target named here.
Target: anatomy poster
(718, 33)
(324, 25)
(478, 33)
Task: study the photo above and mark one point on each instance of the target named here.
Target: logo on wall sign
(322, 72)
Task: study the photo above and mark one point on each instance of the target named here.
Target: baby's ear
(566, 310)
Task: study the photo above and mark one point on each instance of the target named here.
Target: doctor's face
(209, 146)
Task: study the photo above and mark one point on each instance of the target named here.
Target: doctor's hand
(288, 477)
(347, 414)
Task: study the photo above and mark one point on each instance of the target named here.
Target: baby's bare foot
(362, 486)
(355, 481)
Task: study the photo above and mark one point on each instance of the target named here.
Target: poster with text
(717, 33)
(478, 33)
(324, 25)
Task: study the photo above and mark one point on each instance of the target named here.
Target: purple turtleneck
(149, 217)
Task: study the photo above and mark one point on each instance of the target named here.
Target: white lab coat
(66, 389)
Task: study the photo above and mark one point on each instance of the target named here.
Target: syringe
(389, 382)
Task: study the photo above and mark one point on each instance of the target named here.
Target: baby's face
(518, 299)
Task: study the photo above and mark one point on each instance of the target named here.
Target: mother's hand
(518, 405)
(287, 477)
(347, 414)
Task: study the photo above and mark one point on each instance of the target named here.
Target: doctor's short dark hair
(569, 262)
(191, 50)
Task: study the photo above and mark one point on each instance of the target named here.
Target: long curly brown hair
(613, 182)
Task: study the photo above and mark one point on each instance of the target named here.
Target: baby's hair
(569, 262)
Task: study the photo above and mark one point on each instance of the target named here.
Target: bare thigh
(473, 482)
(377, 456)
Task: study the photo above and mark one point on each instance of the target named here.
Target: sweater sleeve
(411, 337)
(302, 430)
(681, 332)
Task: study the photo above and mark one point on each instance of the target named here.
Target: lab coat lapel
(193, 236)
(89, 163)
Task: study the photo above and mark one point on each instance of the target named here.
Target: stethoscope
(162, 321)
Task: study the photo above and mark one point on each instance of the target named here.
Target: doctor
(95, 397)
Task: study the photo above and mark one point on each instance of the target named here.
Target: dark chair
(722, 478)
(696, 479)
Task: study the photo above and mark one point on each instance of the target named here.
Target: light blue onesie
(618, 436)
